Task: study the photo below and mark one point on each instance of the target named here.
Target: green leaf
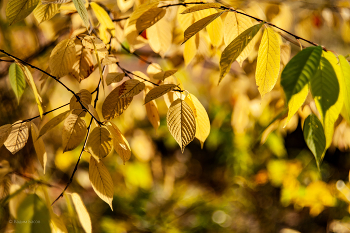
(325, 86)
(34, 215)
(299, 70)
(201, 7)
(17, 10)
(149, 18)
(314, 137)
(17, 80)
(199, 25)
(234, 49)
(80, 6)
(345, 68)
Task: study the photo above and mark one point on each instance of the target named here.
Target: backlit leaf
(113, 106)
(314, 137)
(74, 131)
(215, 29)
(296, 102)
(34, 214)
(114, 77)
(140, 10)
(161, 38)
(39, 146)
(299, 70)
(164, 74)
(85, 98)
(18, 136)
(121, 145)
(181, 123)
(17, 80)
(199, 25)
(83, 65)
(53, 122)
(158, 92)
(152, 114)
(83, 214)
(201, 116)
(99, 143)
(268, 64)
(62, 58)
(234, 49)
(101, 181)
(45, 12)
(148, 18)
(5, 131)
(16, 10)
(80, 6)
(131, 88)
(93, 111)
(201, 7)
(103, 17)
(345, 68)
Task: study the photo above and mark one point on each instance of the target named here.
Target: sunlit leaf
(80, 6)
(131, 88)
(44, 12)
(121, 145)
(85, 97)
(148, 18)
(314, 137)
(93, 111)
(152, 114)
(268, 64)
(53, 122)
(103, 17)
(299, 70)
(201, 116)
(39, 146)
(18, 137)
(201, 7)
(5, 131)
(83, 214)
(74, 131)
(16, 10)
(114, 77)
(161, 36)
(140, 10)
(113, 106)
(101, 181)
(62, 58)
(296, 102)
(199, 25)
(83, 65)
(99, 143)
(17, 80)
(158, 92)
(164, 74)
(55, 1)
(234, 49)
(345, 68)
(181, 123)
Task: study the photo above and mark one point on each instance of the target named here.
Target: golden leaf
(149, 18)
(131, 88)
(121, 145)
(113, 106)
(164, 74)
(45, 12)
(83, 214)
(53, 122)
(103, 17)
(114, 77)
(83, 65)
(93, 111)
(161, 37)
(74, 131)
(99, 143)
(39, 146)
(18, 136)
(85, 98)
(181, 123)
(17, 10)
(158, 92)
(62, 58)
(101, 181)
(5, 131)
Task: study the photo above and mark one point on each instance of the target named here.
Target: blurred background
(252, 175)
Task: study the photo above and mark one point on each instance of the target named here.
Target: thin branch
(120, 19)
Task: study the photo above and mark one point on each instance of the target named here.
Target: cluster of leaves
(230, 33)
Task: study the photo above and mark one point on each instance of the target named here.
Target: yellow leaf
(152, 112)
(31, 83)
(199, 25)
(93, 111)
(55, 1)
(39, 146)
(345, 68)
(101, 181)
(234, 25)
(99, 143)
(62, 58)
(201, 116)
(16, 10)
(114, 77)
(18, 136)
(74, 131)
(215, 30)
(45, 12)
(121, 145)
(268, 64)
(90, 42)
(133, 37)
(83, 65)
(285, 54)
(148, 18)
(53, 122)
(109, 60)
(85, 98)
(296, 102)
(80, 7)
(131, 88)
(201, 7)
(125, 5)
(5, 131)
(16, 200)
(181, 123)
(185, 20)
(83, 214)
(161, 36)
(103, 17)
(158, 92)
(57, 224)
(113, 106)
(140, 10)
(164, 74)
(190, 50)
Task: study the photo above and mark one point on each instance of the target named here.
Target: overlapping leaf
(44, 12)
(158, 92)
(103, 17)
(83, 214)
(17, 80)
(53, 122)
(161, 38)
(18, 136)
(5, 131)
(121, 145)
(62, 58)
(113, 106)
(164, 74)
(99, 143)
(268, 64)
(296, 102)
(74, 131)
(131, 87)
(101, 181)
(299, 70)
(181, 123)
(234, 49)
(83, 65)
(148, 18)
(140, 10)
(39, 146)
(17, 10)
(85, 97)
(80, 6)
(114, 77)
